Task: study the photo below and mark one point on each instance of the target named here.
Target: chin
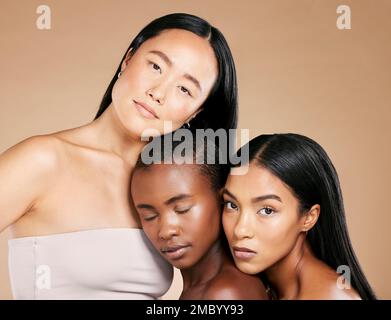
(150, 128)
(181, 264)
(248, 268)
(138, 128)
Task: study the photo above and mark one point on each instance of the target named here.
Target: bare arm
(26, 172)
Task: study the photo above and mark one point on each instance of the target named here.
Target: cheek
(131, 84)
(177, 109)
(151, 231)
(205, 226)
(207, 220)
(122, 102)
(228, 225)
(118, 93)
(276, 240)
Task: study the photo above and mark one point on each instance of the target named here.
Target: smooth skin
(79, 179)
(262, 214)
(178, 207)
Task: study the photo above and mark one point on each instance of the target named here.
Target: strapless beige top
(112, 263)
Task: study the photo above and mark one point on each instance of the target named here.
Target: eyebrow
(256, 199)
(194, 80)
(167, 60)
(177, 198)
(265, 197)
(145, 206)
(162, 55)
(167, 202)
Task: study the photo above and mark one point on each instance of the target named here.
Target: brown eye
(185, 90)
(230, 205)
(267, 211)
(155, 66)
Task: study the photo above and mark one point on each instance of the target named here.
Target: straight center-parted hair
(304, 166)
(220, 108)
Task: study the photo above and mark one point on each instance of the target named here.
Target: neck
(111, 136)
(286, 275)
(206, 268)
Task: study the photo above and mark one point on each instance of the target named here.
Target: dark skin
(180, 214)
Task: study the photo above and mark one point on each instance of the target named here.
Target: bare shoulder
(27, 172)
(330, 291)
(37, 152)
(232, 284)
(328, 285)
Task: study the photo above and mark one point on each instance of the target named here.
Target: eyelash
(183, 211)
(187, 91)
(229, 202)
(176, 211)
(149, 218)
(153, 64)
(260, 211)
(267, 208)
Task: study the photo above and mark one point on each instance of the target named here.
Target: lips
(145, 110)
(243, 253)
(175, 252)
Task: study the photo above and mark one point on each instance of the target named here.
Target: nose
(169, 227)
(243, 227)
(158, 93)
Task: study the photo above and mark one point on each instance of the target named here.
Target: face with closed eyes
(166, 79)
(180, 214)
(261, 219)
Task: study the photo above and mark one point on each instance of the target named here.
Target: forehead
(256, 182)
(167, 180)
(188, 51)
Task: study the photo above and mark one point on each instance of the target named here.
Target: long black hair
(304, 166)
(220, 108)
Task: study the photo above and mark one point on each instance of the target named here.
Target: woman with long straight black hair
(75, 232)
(285, 218)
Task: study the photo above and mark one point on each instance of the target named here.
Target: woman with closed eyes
(65, 195)
(180, 210)
(285, 219)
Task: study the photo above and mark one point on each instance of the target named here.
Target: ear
(129, 54)
(311, 217)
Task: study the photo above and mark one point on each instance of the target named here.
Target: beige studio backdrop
(297, 72)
